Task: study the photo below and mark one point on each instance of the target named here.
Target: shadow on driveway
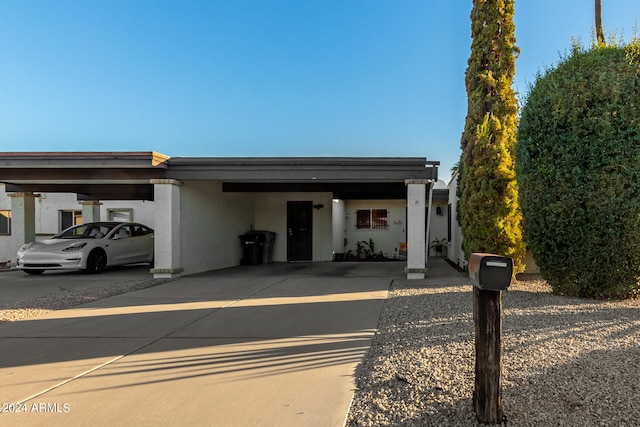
(256, 345)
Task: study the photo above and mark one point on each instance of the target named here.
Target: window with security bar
(372, 219)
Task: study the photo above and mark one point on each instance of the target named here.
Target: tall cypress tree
(488, 211)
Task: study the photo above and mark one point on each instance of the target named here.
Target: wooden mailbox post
(490, 274)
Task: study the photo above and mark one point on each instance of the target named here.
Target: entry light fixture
(318, 206)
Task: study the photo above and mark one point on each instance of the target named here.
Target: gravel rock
(26, 309)
(565, 361)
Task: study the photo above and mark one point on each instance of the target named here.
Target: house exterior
(199, 206)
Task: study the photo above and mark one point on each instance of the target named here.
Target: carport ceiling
(92, 176)
(90, 191)
(340, 190)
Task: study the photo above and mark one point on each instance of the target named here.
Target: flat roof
(296, 169)
(127, 175)
(91, 175)
(78, 159)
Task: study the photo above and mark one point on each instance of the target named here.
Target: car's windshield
(86, 231)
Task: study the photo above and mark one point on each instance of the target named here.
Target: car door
(121, 249)
(143, 243)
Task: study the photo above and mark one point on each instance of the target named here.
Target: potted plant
(438, 245)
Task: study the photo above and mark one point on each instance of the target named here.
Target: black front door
(299, 231)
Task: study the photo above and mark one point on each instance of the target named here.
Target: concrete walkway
(270, 345)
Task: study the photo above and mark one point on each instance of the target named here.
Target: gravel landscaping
(565, 361)
(69, 298)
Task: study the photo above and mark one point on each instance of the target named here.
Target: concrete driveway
(15, 285)
(270, 345)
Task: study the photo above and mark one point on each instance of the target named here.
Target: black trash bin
(269, 238)
(252, 246)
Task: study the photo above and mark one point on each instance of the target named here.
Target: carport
(202, 204)
(93, 177)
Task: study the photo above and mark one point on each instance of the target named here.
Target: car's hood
(58, 244)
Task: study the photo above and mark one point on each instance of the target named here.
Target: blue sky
(260, 78)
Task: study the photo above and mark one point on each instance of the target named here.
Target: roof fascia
(52, 160)
(303, 168)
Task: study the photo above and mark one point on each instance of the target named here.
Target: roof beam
(90, 191)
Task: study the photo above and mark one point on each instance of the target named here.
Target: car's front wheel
(96, 262)
(33, 271)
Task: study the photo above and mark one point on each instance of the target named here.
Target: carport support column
(23, 220)
(90, 211)
(416, 233)
(167, 259)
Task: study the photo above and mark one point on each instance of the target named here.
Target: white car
(90, 247)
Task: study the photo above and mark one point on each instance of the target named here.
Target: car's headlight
(24, 248)
(74, 247)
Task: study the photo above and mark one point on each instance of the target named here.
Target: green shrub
(578, 172)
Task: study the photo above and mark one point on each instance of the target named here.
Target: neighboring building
(454, 234)
(439, 218)
(199, 206)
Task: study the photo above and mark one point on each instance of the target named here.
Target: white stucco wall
(47, 207)
(49, 204)
(6, 249)
(6, 252)
(5, 203)
(438, 225)
(142, 210)
(385, 240)
(6, 246)
(455, 253)
(338, 215)
(211, 222)
(167, 244)
(271, 215)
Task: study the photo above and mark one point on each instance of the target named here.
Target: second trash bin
(268, 238)
(252, 247)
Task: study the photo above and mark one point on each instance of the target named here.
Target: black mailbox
(490, 272)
